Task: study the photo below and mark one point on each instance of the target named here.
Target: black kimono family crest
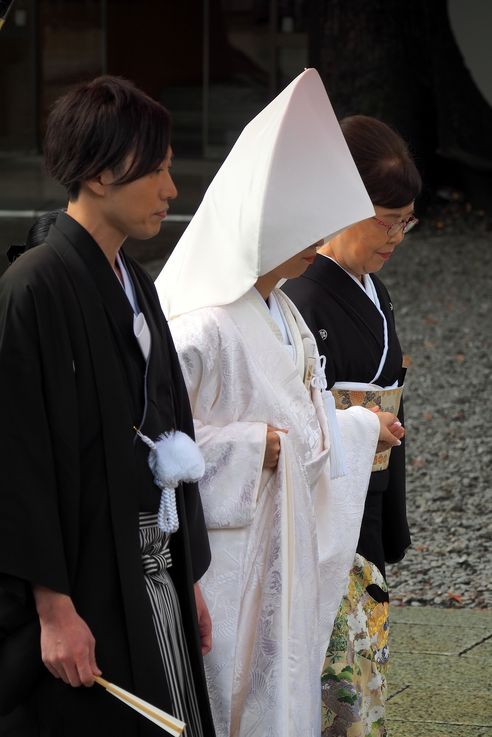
(74, 477)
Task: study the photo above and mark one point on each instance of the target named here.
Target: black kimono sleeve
(31, 540)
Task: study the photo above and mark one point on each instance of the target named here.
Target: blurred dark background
(424, 67)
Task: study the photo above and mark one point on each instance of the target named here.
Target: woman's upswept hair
(383, 160)
(105, 124)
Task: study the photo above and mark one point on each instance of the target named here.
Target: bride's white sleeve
(233, 449)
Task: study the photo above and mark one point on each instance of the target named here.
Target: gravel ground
(440, 282)
(441, 286)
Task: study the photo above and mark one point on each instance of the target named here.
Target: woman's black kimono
(73, 476)
(349, 332)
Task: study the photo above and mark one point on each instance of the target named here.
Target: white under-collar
(140, 327)
(127, 284)
(367, 286)
(278, 316)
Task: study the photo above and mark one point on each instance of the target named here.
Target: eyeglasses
(393, 229)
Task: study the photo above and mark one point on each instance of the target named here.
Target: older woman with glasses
(350, 313)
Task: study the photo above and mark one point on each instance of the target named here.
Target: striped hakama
(166, 615)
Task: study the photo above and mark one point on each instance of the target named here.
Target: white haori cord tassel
(174, 458)
(338, 466)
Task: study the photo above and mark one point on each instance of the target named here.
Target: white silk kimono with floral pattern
(282, 541)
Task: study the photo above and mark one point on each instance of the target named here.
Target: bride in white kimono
(283, 531)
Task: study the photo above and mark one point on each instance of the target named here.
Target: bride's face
(298, 264)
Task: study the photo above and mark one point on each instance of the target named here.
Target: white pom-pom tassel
(174, 458)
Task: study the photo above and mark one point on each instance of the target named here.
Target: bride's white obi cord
(173, 459)
(338, 464)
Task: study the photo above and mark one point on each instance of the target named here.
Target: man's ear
(98, 185)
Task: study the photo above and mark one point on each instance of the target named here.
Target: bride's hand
(272, 449)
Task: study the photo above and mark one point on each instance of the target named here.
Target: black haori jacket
(73, 476)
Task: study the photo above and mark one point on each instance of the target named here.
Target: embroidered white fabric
(263, 586)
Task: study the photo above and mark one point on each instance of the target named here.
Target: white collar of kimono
(370, 290)
(288, 182)
(140, 327)
(127, 284)
(367, 286)
(281, 322)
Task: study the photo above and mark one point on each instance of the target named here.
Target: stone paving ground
(440, 679)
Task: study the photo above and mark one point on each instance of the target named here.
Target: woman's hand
(67, 644)
(390, 430)
(204, 621)
(272, 450)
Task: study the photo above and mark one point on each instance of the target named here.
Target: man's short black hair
(105, 124)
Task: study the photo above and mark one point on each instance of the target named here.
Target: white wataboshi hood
(288, 182)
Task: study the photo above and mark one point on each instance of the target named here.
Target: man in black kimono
(86, 356)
